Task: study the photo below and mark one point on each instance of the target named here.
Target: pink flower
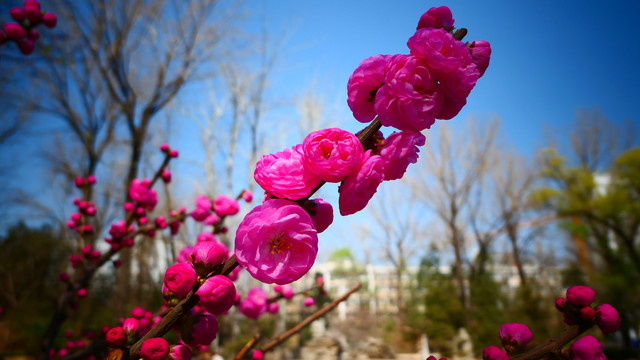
(257, 355)
(185, 254)
(247, 195)
(217, 294)
(287, 292)
(436, 18)
(357, 189)
(115, 337)
(131, 325)
(224, 206)
(180, 352)
(494, 353)
(17, 14)
(587, 313)
(587, 348)
(154, 349)
(400, 150)
(321, 213)
(581, 296)
(276, 242)
(332, 153)
(78, 181)
(515, 337)
(309, 301)
(273, 308)
(138, 312)
(180, 278)
(481, 54)
(409, 99)
(607, 318)
(138, 192)
(207, 255)
(33, 13)
(49, 19)
(14, 31)
(205, 236)
(203, 331)
(82, 293)
(255, 304)
(283, 174)
(363, 86)
(166, 176)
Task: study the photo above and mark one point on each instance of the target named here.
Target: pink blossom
(154, 349)
(224, 206)
(276, 242)
(332, 153)
(255, 304)
(217, 294)
(14, 31)
(581, 296)
(17, 14)
(481, 54)
(205, 236)
(277, 289)
(287, 292)
(283, 174)
(587, 348)
(164, 147)
(437, 18)
(185, 254)
(399, 150)
(203, 331)
(91, 179)
(33, 13)
(212, 219)
(321, 213)
(138, 192)
(409, 99)
(115, 337)
(493, 352)
(206, 255)
(358, 188)
(587, 313)
(138, 312)
(273, 308)
(79, 181)
(166, 176)
(247, 195)
(309, 301)
(131, 325)
(50, 20)
(180, 352)
(82, 293)
(607, 318)
(180, 278)
(203, 202)
(363, 86)
(515, 337)
(173, 153)
(257, 355)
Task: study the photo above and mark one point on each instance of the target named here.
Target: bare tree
(453, 171)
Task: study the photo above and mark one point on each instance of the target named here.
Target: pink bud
(79, 181)
(63, 352)
(166, 176)
(247, 195)
(217, 294)
(91, 211)
(76, 217)
(180, 278)
(257, 355)
(180, 352)
(204, 331)
(206, 255)
(68, 334)
(17, 14)
(561, 303)
(76, 201)
(273, 308)
(515, 337)
(138, 312)
(143, 220)
(86, 249)
(64, 277)
(183, 210)
(35, 3)
(154, 349)
(26, 47)
(309, 301)
(129, 207)
(130, 325)
(95, 254)
(117, 263)
(80, 343)
(277, 288)
(70, 345)
(82, 205)
(587, 348)
(91, 179)
(33, 13)
(71, 224)
(49, 19)
(14, 31)
(287, 291)
(173, 153)
(607, 318)
(164, 147)
(115, 337)
(86, 228)
(587, 313)
(82, 293)
(494, 353)
(581, 296)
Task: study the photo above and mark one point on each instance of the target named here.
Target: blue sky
(550, 58)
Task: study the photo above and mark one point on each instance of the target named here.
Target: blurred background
(533, 187)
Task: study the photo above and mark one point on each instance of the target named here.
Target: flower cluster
(577, 309)
(410, 91)
(23, 31)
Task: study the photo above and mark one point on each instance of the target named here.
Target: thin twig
(247, 347)
(554, 344)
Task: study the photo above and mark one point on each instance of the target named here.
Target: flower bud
(79, 181)
(206, 255)
(201, 330)
(154, 349)
(217, 294)
(130, 325)
(287, 291)
(166, 176)
(17, 14)
(607, 318)
(257, 355)
(273, 308)
(50, 20)
(587, 313)
(82, 293)
(26, 47)
(580, 296)
(587, 348)
(33, 13)
(309, 301)
(180, 352)
(173, 153)
(515, 337)
(180, 279)
(115, 337)
(164, 147)
(247, 195)
(494, 353)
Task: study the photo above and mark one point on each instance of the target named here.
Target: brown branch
(247, 347)
(287, 334)
(554, 344)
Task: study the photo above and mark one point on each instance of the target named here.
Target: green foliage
(487, 311)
